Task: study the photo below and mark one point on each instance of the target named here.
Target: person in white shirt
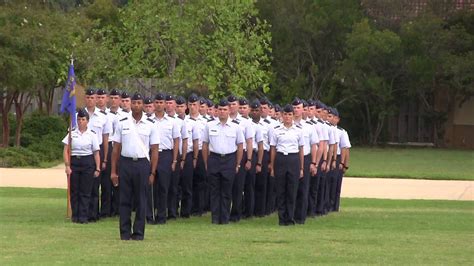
(287, 164)
(171, 103)
(270, 204)
(169, 132)
(189, 155)
(134, 162)
(82, 161)
(311, 140)
(222, 152)
(200, 185)
(99, 122)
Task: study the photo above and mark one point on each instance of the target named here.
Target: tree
(370, 74)
(439, 61)
(308, 38)
(212, 47)
(36, 41)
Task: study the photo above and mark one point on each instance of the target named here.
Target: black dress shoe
(125, 238)
(136, 237)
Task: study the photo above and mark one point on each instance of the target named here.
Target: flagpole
(69, 210)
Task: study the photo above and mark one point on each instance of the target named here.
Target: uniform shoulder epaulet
(194, 119)
(235, 121)
(340, 128)
(93, 131)
(309, 122)
(266, 121)
(299, 126)
(277, 127)
(103, 112)
(329, 124)
(151, 120)
(123, 119)
(320, 121)
(210, 119)
(113, 112)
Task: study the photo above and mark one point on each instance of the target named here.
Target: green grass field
(34, 231)
(419, 163)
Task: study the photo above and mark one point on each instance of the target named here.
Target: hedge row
(40, 142)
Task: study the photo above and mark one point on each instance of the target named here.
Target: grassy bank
(34, 230)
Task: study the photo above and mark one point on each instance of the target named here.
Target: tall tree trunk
(6, 100)
(22, 101)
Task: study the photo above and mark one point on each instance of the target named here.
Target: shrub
(18, 157)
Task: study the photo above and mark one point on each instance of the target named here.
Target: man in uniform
(199, 175)
(322, 131)
(148, 107)
(135, 138)
(271, 123)
(257, 156)
(263, 158)
(113, 114)
(105, 182)
(222, 153)
(183, 145)
(311, 139)
(100, 124)
(246, 164)
(125, 104)
(189, 155)
(168, 154)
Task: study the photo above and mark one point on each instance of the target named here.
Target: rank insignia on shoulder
(309, 122)
(235, 121)
(113, 112)
(277, 126)
(192, 118)
(299, 126)
(151, 120)
(320, 121)
(123, 119)
(266, 121)
(93, 131)
(103, 112)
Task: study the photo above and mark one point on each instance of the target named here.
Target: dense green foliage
(366, 231)
(366, 57)
(41, 142)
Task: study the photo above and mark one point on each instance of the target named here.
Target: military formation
(171, 157)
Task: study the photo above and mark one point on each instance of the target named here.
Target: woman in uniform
(286, 164)
(82, 164)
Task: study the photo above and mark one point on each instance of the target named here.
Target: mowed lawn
(419, 163)
(34, 231)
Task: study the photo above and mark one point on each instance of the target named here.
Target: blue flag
(68, 103)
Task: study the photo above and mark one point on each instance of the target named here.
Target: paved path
(382, 188)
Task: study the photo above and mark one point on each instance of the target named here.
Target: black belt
(287, 154)
(80, 157)
(222, 155)
(133, 159)
(165, 150)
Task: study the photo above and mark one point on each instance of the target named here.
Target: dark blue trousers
(187, 186)
(133, 178)
(221, 178)
(261, 181)
(301, 210)
(287, 172)
(82, 177)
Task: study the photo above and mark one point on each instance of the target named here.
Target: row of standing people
(190, 148)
